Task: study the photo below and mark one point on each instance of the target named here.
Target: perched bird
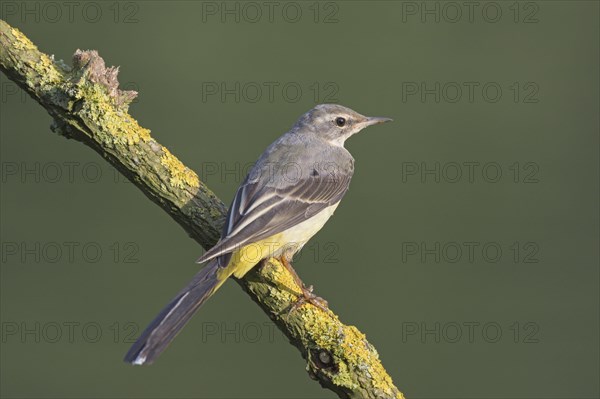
(287, 197)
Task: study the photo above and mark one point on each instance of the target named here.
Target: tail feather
(165, 327)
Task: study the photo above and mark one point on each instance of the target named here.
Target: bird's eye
(340, 121)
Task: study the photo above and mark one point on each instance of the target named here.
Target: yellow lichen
(117, 127)
(350, 347)
(359, 353)
(180, 175)
(279, 274)
(48, 71)
(22, 42)
(44, 66)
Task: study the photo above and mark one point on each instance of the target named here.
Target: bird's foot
(307, 296)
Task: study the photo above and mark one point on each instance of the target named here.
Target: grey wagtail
(287, 197)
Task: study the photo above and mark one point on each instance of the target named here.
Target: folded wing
(262, 208)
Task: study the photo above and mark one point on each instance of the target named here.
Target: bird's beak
(376, 120)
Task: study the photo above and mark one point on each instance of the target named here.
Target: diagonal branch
(87, 105)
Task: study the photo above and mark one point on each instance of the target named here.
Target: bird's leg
(307, 294)
(286, 263)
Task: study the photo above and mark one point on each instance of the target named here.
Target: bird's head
(335, 123)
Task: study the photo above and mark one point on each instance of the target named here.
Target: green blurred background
(519, 324)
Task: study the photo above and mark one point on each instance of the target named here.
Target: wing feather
(262, 209)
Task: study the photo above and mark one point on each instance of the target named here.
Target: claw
(308, 297)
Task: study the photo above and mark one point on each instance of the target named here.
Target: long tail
(163, 329)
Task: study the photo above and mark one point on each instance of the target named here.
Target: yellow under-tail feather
(248, 256)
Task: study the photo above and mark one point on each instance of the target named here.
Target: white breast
(299, 235)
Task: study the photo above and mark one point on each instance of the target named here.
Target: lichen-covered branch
(87, 105)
